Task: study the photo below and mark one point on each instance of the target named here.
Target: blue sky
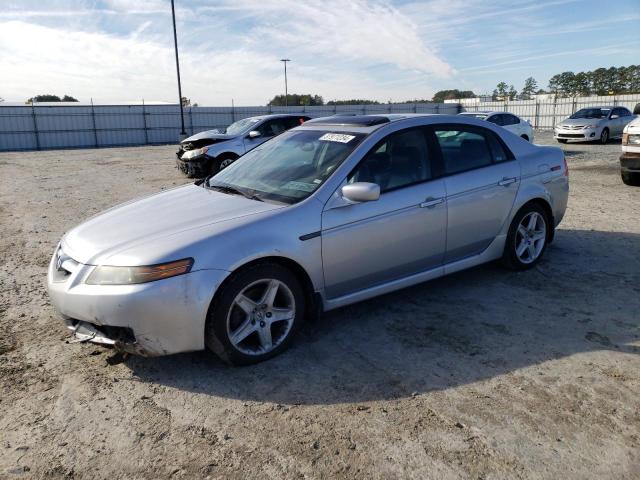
(122, 50)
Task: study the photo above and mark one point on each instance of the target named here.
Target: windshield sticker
(301, 186)
(337, 137)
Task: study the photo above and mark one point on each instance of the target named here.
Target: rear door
(481, 180)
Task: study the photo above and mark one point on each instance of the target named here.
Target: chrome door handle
(506, 181)
(431, 202)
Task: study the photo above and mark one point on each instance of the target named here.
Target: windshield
(591, 113)
(241, 126)
(288, 168)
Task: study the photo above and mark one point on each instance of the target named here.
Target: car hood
(581, 121)
(208, 134)
(634, 126)
(138, 232)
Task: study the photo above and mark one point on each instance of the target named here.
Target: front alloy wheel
(604, 136)
(261, 316)
(255, 314)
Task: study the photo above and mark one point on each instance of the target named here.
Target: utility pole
(175, 44)
(286, 94)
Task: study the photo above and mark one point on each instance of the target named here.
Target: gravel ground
(482, 374)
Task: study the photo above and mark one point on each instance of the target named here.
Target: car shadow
(474, 325)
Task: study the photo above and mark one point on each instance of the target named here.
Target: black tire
(524, 137)
(631, 179)
(604, 136)
(509, 257)
(216, 332)
(221, 162)
(562, 140)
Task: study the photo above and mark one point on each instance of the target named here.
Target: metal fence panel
(36, 127)
(544, 115)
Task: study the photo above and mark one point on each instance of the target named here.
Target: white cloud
(339, 50)
(338, 31)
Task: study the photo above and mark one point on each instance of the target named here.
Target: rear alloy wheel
(527, 238)
(256, 315)
(604, 136)
(631, 179)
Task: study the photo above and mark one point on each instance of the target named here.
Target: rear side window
(466, 147)
(510, 119)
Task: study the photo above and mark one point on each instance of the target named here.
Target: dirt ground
(485, 374)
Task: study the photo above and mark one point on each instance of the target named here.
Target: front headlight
(593, 125)
(195, 153)
(108, 275)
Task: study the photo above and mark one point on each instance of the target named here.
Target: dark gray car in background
(210, 151)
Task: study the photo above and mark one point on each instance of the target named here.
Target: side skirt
(492, 252)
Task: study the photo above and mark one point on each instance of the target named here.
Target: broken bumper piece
(120, 338)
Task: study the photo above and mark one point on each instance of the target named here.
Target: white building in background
(470, 101)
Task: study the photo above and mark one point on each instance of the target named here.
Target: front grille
(187, 146)
(573, 127)
(570, 135)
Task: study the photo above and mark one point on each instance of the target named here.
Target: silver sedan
(330, 213)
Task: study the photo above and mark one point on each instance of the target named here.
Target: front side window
(271, 128)
(288, 168)
(401, 159)
(466, 147)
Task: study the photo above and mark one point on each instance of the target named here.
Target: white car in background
(506, 120)
(593, 124)
(630, 158)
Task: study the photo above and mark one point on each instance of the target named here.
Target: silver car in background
(333, 212)
(593, 124)
(506, 120)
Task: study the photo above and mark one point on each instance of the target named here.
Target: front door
(400, 234)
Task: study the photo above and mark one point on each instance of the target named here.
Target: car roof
(360, 123)
(485, 112)
(368, 124)
(609, 107)
(279, 115)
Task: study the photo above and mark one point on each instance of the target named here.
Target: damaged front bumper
(194, 163)
(149, 319)
(121, 339)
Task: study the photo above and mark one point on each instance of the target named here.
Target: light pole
(175, 44)
(285, 60)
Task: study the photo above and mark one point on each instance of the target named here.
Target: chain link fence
(54, 126)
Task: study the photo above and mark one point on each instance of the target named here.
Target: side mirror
(254, 134)
(614, 116)
(361, 192)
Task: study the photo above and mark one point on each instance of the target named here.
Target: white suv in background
(508, 121)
